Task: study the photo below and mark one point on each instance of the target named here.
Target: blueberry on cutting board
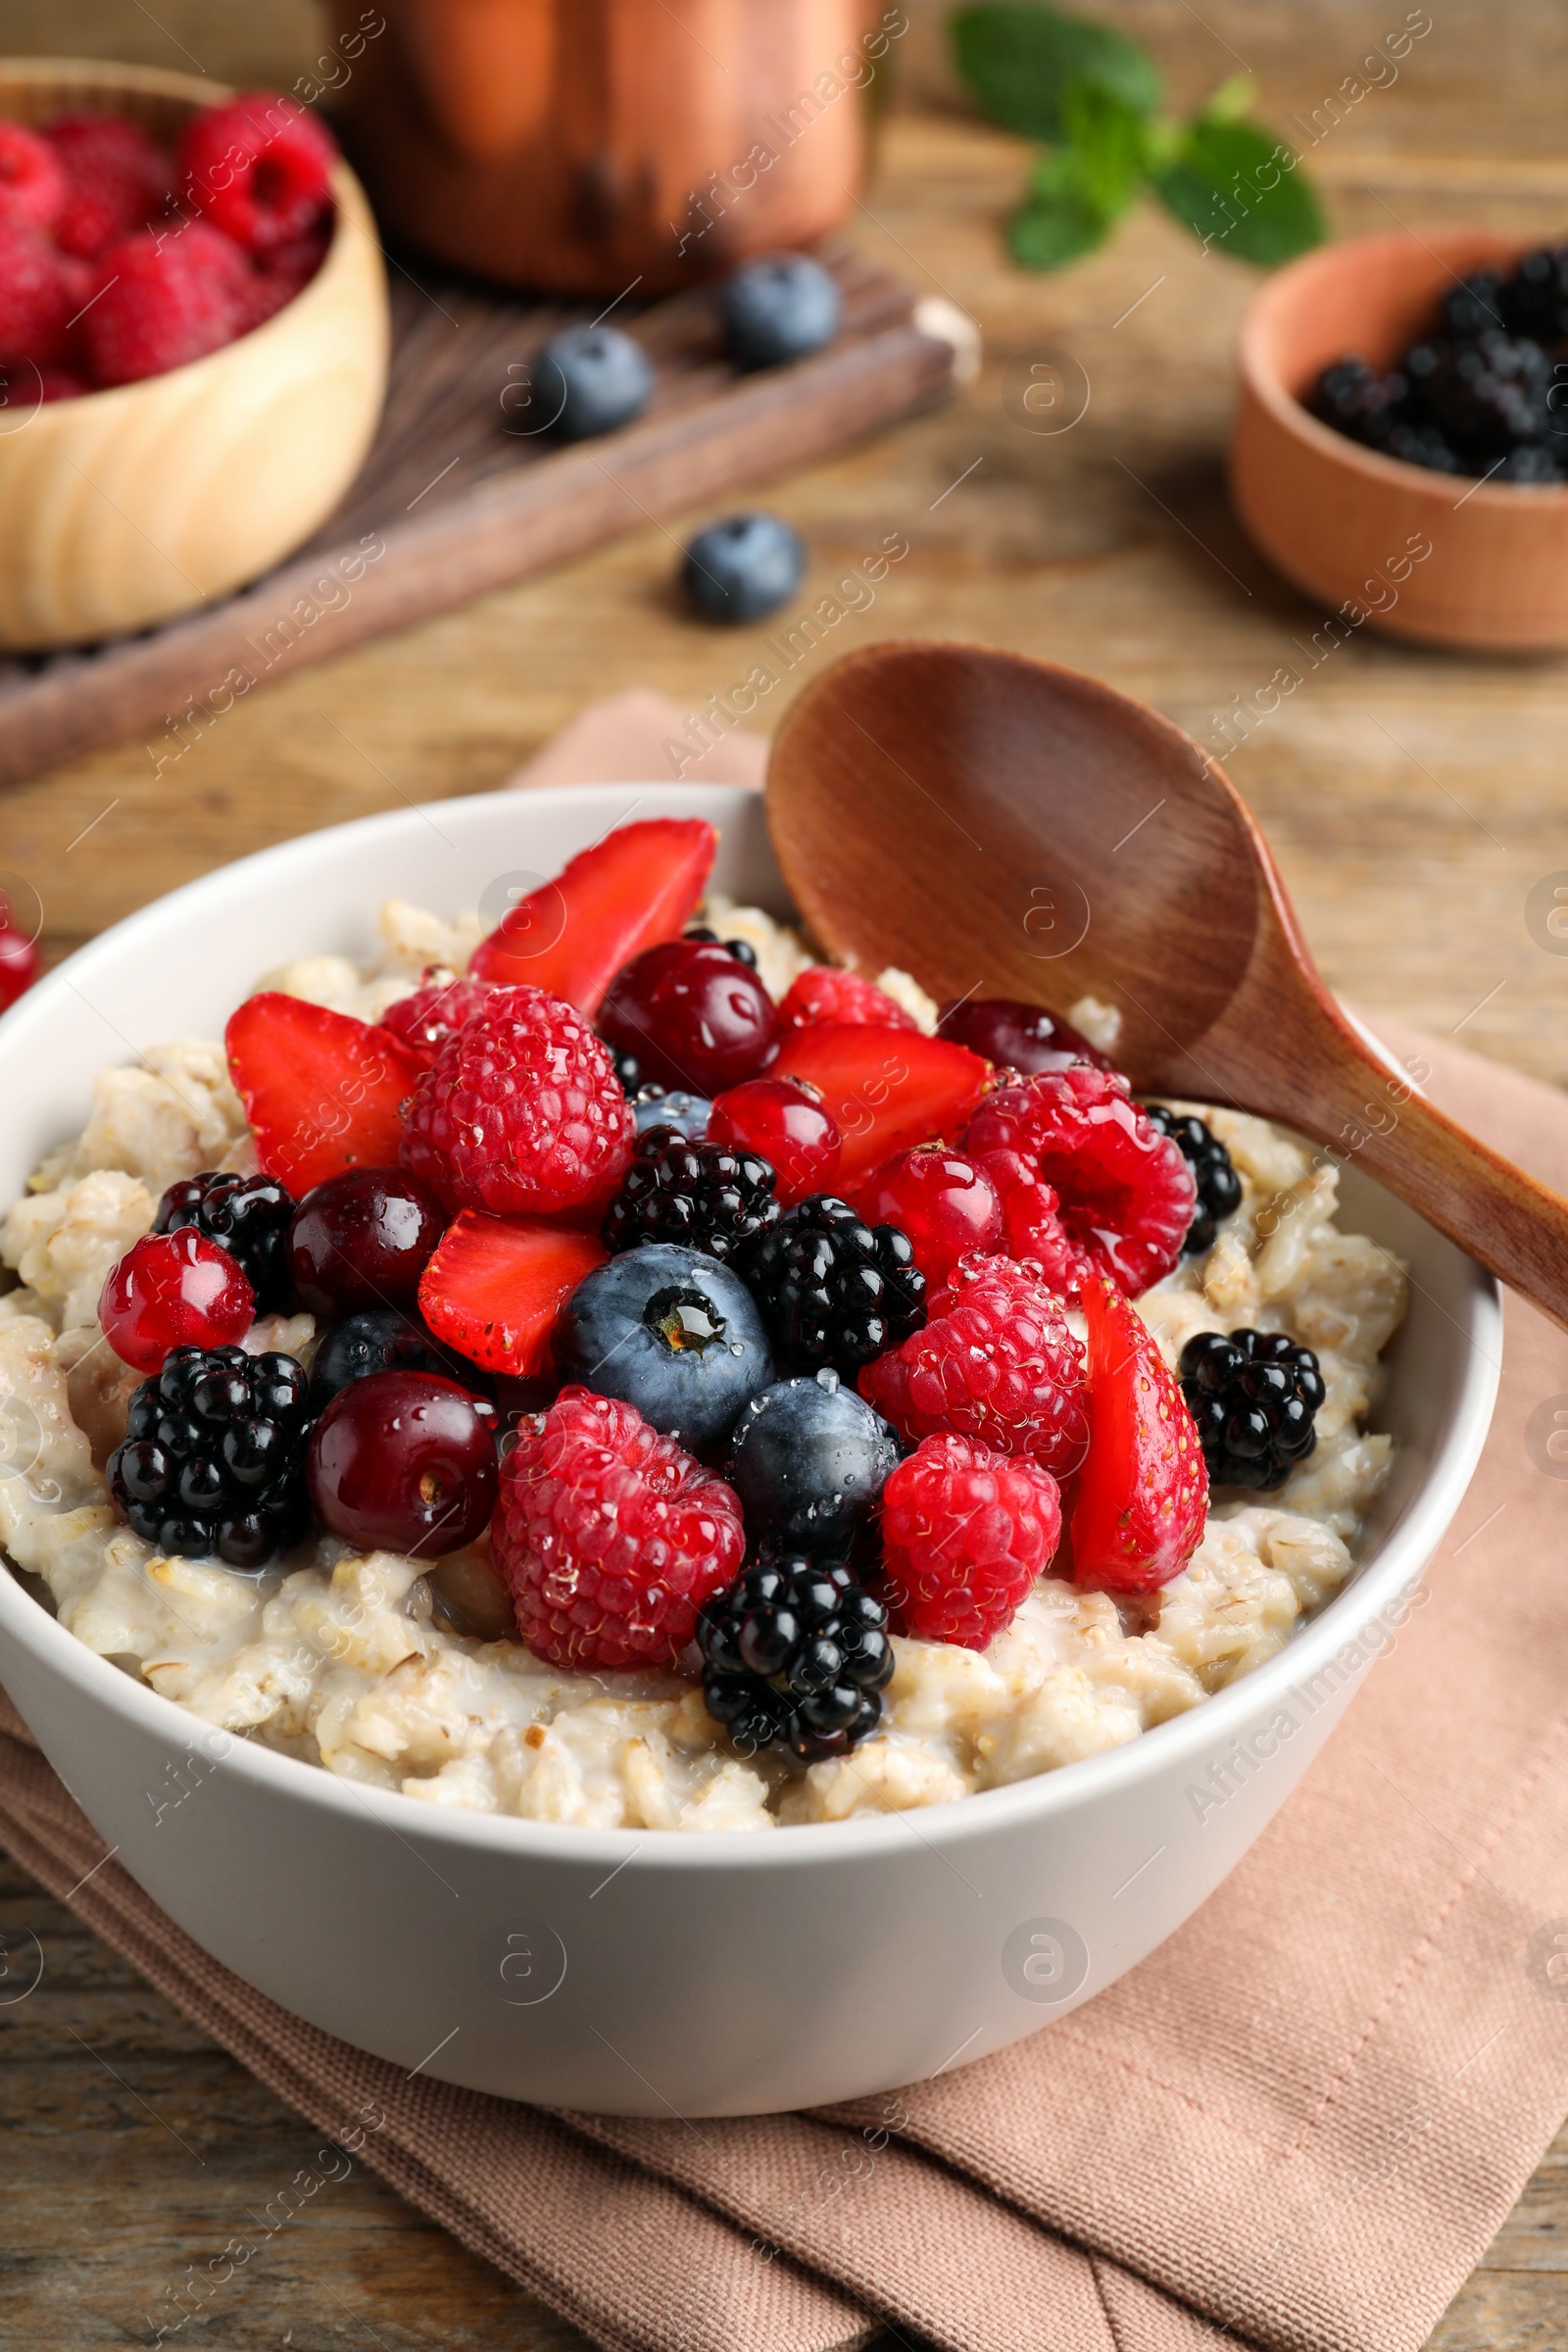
(592, 380)
(780, 308)
(743, 567)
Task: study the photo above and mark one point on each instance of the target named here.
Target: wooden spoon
(1002, 827)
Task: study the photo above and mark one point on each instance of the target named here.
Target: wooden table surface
(1412, 799)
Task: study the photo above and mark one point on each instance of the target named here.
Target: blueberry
(672, 1332)
(688, 1112)
(809, 1459)
(591, 380)
(743, 567)
(384, 1339)
(780, 308)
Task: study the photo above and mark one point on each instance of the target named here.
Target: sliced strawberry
(1142, 1492)
(322, 1089)
(824, 993)
(495, 1286)
(640, 885)
(885, 1089)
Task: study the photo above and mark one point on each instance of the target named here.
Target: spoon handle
(1370, 1113)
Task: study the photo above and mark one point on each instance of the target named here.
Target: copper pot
(580, 145)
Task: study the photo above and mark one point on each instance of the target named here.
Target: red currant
(693, 1016)
(362, 1240)
(19, 957)
(947, 1206)
(174, 1290)
(1019, 1036)
(405, 1462)
(785, 1121)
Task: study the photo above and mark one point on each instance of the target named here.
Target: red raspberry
(966, 1532)
(174, 1290)
(167, 300)
(520, 1111)
(610, 1535)
(116, 179)
(37, 300)
(822, 992)
(943, 1202)
(1124, 1193)
(1142, 1503)
(1031, 1226)
(996, 1362)
(436, 1010)
(32, 185)
(261, 167)
(284, 273)
(58, 383)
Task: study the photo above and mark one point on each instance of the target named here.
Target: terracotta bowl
(121, 508)
(1434, 556)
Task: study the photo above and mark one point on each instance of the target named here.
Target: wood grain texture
(1413, 801)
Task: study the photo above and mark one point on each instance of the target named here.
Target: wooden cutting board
(459, 497)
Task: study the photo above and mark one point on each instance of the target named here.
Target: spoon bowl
(1000, 826)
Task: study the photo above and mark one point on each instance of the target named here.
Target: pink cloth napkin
(1296, 2126)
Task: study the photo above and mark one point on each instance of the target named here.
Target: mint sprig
(1091, 96)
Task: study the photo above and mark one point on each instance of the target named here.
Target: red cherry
(1019, 1036)
(405, 1462)
(947, 1206)
(785, 1121)
(362, 1240)
(19, 957)
(174, 1290)
(693, 1016)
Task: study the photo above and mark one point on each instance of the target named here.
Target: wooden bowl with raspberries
(193, 342)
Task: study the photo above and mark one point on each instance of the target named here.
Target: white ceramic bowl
(652, 1973)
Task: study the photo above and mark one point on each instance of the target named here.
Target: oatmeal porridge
(978, 1630)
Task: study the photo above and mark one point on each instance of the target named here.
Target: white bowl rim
(1379, 1584)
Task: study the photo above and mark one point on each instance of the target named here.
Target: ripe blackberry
(213, 1466)
(1358, 400)
(1488, 394)
(1533, 462)
(1422, 445)
(1535, 299)
(1475, 304)
(797, 1655)
(1254, 1398)
(701, 1195)
(629, 1070)
(1219, 1188)
(248, 1216)
(834, 1289)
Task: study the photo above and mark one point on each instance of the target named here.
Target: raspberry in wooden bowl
(1440, 558)
(193, 334)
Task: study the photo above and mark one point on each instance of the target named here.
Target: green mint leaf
(1080, 189)
(1106, 151)
(1020, 58)
(1049, 231)
(1242, 191)
(1233, 99)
